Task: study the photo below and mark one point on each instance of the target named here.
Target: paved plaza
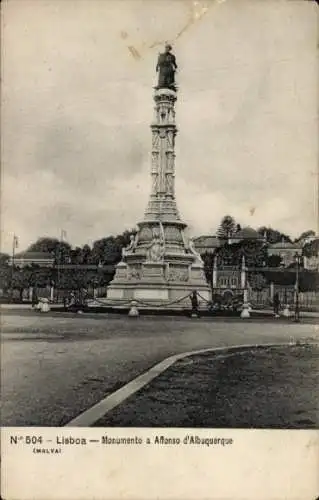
(55, 367)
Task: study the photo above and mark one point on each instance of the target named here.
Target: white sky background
(76, 110)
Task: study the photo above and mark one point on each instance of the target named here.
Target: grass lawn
(273, 387)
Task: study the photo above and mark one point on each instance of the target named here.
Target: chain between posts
(162, 305)
(203, 298)
(150, 304)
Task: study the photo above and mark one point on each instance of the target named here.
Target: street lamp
(298, 260)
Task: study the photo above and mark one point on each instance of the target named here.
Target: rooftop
(34, 255)
(207, 241)
(247, 233)
(287, 245)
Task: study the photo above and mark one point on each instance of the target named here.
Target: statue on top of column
(166, 67)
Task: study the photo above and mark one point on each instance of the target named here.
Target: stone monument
(161, 265)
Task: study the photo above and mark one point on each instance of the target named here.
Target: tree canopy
(226, 228)
(273, 235)
(306, 234)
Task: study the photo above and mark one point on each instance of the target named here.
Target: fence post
(133, 312)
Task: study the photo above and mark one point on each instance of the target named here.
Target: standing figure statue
(166, 67)
(156, 250)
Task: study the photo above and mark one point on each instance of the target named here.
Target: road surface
(56, 366)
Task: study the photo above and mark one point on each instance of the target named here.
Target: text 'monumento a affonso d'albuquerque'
(161, 264)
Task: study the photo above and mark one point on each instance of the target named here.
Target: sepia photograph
(159, 264)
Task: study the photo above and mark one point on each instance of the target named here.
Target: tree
(255, 253)
(30, 276)
(208, 259)
(305, 235)
(109, 250)
(5, 273)
(4, 258)
(86, 254)
(273, 235)
(47, 245)
(226, 228)
(61, 250)
(273, 260)
(76, 256)
(311, 249)
(257, 281)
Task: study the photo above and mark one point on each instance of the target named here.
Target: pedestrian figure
(276, 303)
(35, 299)
(194, 301)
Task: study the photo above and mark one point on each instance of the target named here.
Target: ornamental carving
(178, 274)
(131, 247)
(145, 234)
(155, 140)
(190, 248)
(172, 234)
(170, 184)
(156, 250)
(162, 133)
(135, 273)
(170, 139)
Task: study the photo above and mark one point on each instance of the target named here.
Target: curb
(100, 409)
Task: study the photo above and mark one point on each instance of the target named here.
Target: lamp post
(14, 247)
(298, 260)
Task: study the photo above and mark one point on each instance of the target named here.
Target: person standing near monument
(276, 304)
(194, 302)
(166, 67)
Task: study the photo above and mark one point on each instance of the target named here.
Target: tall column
(243, 273)
(272, 290)
(162, 200)
(215, 272)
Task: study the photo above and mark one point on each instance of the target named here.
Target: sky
(77, 103)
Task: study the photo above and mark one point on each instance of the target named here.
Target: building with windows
(206, 244)
(42, 259)
(286, 250)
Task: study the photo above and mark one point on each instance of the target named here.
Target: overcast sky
(77, 105)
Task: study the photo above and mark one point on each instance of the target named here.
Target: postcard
(159, 265)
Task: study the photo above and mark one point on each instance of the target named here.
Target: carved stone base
(152, 294)
(160, 270)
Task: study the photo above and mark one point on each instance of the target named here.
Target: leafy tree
(226, 228)
(272, 235)
(48, 245)
(4, 258)
(208, 259)
(311, 249)
(29, 276)
(257, 281)
(109, 250)
(273, 260)
(5, 273)
(61, 250)
(255, 254)
(20, 280)
(306, 234)
(86, 254)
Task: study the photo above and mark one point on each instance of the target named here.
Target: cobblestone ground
(54, 367)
